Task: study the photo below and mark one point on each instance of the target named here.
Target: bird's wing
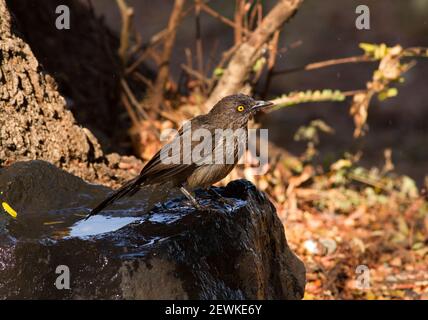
(229, 147)
(157, 171)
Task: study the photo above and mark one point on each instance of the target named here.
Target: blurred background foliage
(348, 165)
(319, 32)
(348, 139)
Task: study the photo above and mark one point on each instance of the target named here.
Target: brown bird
(186, 172)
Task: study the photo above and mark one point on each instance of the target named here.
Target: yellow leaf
(309, 296)
(370, 296)
(340, 164)
(9, 209)
(367, 47)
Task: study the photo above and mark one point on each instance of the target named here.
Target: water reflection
(99, 224)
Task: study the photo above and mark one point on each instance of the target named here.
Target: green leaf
(218, 72)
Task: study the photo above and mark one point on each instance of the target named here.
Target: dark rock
(233, 251)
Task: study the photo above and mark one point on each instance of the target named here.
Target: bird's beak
(260, 105)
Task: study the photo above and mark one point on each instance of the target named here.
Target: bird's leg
(222, 199)
(215, 193)
(191, 198)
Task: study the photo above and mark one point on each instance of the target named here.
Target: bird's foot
(220, 198)
(226, 201)
(202, 207)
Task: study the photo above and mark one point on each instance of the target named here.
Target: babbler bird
(231, 112)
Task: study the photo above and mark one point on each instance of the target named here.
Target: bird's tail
(129, 188)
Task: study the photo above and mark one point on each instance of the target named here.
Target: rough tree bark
(83, 60)
(28, 96)
(241, 63)
(34, 120)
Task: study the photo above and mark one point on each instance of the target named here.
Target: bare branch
(195, 74)
(326, 63)
(126, 15)
(239, 16)
(416, 52)
(154, 40)
(273, 50)
(130, 110)
(199, 48)
(133, 100)
(241, 63)
(163, 74)
(218, 16)
(138, 76)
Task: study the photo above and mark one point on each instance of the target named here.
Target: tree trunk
(35, 122)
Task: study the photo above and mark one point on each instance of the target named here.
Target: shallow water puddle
(99, 224)
(164, 218)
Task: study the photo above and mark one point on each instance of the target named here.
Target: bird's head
(238, 108)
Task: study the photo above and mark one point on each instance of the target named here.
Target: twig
(189, 59)
(326, 63)
(154, 40)
(212, 55)
(351, 93)
(157, 94)
(155, 56)
(143, 79)
(368, 181)
(199, 48)
(271, 62)
(416, 52)
(137, 62)
(195, 74)
(137, 45)
(158, 37)
(172, 117)
(130, 110)
(239, 15)
(126, 15)
(256, 13)
(218, 16)
(133, 100)
(227, 55)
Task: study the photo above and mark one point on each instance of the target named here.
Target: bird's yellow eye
(240, 108)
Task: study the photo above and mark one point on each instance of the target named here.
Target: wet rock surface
(231, 251)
